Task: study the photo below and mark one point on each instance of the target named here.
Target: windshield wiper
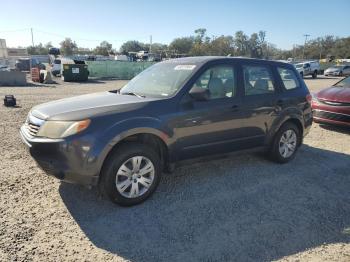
(133, 94)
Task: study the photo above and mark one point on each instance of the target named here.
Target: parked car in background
(56, 67)
(308, 68)
(4, 68)
(23, 64)
(332, 105)
(121, 58)
(174, 110)
(341, 70)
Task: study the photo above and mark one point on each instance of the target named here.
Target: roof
(204, 59)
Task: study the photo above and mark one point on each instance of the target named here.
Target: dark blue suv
(184, 108)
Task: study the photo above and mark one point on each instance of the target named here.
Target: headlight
(60, 129)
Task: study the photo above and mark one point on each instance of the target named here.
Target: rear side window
(290, 80)
(257, 80)
(57, 61)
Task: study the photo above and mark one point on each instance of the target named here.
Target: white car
(56, 67)
(308, 68)
(341, 70)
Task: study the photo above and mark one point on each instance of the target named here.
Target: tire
(118, 170)
(275, 152)
(302, 74)
(340, 73)
(314, 74)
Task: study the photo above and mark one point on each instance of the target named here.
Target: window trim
(272, 75)
(281, 80)
(233, 66)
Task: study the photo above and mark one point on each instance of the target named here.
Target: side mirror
(199, 94)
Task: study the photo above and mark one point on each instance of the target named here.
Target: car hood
(86, 106)
(336, 94)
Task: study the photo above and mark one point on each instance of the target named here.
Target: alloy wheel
(135, 176)
(288, 143)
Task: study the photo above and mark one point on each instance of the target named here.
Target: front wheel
(314, 75)
(131, 174)
(285, 143)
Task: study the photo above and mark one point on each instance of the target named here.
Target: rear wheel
(285, 143)
(302, 74)
(340, 73)
(131, 174)
(314, 74)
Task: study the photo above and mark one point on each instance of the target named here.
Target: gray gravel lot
(241, 208)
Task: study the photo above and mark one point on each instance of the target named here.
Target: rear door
(260, 101)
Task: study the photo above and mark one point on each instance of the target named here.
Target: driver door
(210, 126)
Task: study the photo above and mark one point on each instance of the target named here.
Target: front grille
(32, 129)
(331, 116)
(333, 103)
(33, 124)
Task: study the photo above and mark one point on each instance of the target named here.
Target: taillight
(309, 98)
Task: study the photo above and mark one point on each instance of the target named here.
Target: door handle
(281, 102)
(235, 107)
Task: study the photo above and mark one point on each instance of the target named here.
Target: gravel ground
(241, 208)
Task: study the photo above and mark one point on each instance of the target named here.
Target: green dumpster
(75, 72)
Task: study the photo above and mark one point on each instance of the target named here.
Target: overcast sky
(90, 22)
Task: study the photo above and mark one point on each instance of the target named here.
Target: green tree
(104, 49)
(182, 45)
(39, 49)
(67, 46)
(222, 46)
(241, 43)
(132, 46)
(201, 43)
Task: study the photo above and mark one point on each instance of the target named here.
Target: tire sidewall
(113, 164)
(275, 147)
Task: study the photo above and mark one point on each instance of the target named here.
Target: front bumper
(333, 118)
(65, 159)
(332, 73)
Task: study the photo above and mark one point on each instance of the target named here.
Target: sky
(90, 22)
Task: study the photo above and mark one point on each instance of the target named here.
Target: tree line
(198, 44)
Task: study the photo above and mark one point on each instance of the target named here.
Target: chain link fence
(116, 69)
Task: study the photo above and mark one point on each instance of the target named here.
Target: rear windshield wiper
(133, 94)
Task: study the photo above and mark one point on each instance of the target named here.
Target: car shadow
(339, 129)
(242, 208)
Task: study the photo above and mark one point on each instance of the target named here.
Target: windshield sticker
(184, 67)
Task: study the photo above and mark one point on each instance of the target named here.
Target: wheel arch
(148, 136)
(294, 119)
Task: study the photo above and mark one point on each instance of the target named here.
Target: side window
(289, 78)
(257, 80)
(219, 80)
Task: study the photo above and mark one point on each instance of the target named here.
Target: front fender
(120, 130)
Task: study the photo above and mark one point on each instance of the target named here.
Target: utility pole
(306, 36)
(31, 31)
(150, 43)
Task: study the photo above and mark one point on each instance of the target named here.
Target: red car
(332, 105)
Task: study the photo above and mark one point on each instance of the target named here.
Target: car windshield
(343, 83)
(160, 80)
